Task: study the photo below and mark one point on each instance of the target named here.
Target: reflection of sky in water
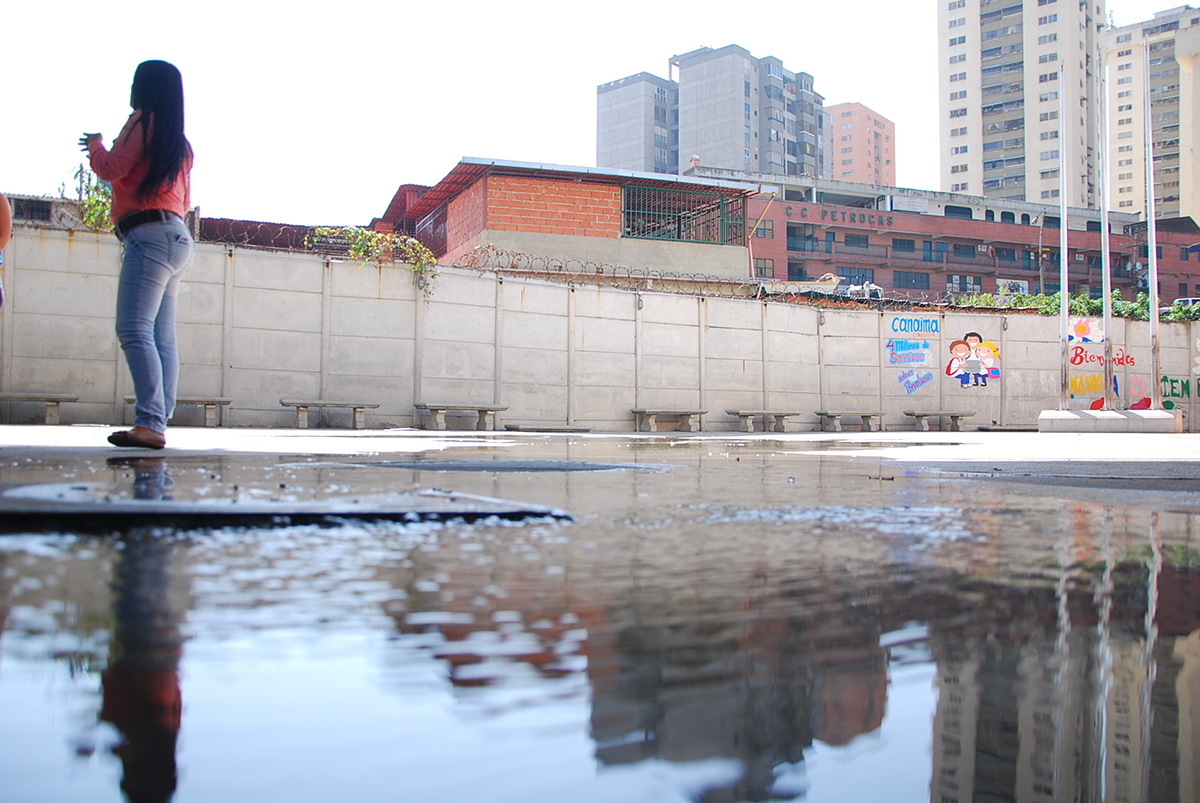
(553, 661)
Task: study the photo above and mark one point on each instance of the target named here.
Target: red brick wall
(466, 215)
(549, 206)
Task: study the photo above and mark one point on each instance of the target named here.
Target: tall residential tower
(1000, 84)
(1167, 46)
(726, 108)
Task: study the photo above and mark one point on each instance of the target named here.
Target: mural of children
(988, 355)
(960, 356)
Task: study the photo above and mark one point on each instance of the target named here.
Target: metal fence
(653, 213)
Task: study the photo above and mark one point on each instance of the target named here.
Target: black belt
(134, 219)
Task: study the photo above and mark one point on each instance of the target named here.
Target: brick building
(642, 220)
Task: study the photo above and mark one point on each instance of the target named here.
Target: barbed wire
(490, 259)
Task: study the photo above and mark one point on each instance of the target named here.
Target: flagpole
(1105, 268)
(1064, 261)
(1151, 236)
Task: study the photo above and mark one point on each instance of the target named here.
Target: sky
(314, 113)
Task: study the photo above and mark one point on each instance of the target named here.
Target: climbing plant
(382, 248)
(95, 199)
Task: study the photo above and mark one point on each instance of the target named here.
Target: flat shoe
(138, 437)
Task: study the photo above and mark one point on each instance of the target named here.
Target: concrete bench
(773, 420)
(51, 400)
(923, 416)
(832, 419)
(210, 405)
(359, 408)
(646, 420)
(487, 413)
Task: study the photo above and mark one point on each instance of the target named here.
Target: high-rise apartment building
(1000, 86)
(637, 124)
(725, 107)
(863, 144)
(1158, 54)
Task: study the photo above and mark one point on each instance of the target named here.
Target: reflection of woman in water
(141, 691)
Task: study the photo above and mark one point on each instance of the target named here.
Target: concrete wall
(257, 326)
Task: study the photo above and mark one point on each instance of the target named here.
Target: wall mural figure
(973, 360)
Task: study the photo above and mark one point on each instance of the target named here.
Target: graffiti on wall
(973, 361)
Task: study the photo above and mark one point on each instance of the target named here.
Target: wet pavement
(398, 614)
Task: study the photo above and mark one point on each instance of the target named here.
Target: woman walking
(149, 167)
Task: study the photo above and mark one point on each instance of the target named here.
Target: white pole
(1151, 236)
(1064, 260)
(1105, 269)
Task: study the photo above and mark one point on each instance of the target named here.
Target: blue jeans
(156, 255)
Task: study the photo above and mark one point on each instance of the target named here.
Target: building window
(698, 217)
(956, 283)
(910, 280)
(958, 112)
(856, 275)
(1044, 96)
(1047, 77)
(956, 4)
(857, 240)
(958, 76)
(1128, 79)
(1046, 2)
(1047, 57)
(957, 40)
(1046, 39)
(1048, 155)
(963, 187)
(958, 168)
(957, 149)
(1044, 116)
(962, 251)
(1047, 20)
(1006, 254)
(1045, 174)
(1049, 193)
(958, 132)
(765, 230)
(1050, 134)
(904, 246)
(958, 57)
(764, 269)
(958, 95)
(958, 23)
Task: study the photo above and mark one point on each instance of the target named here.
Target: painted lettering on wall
(915, 325)
(874, 219)
(907, 352)
(1079, 355)
(911, 381)
(973, 361)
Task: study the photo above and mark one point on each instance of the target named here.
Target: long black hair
(158, 94)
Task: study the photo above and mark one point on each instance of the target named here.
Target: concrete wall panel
(277, 310)
(528, 330)
(371, 317)
(680, 342)
(260, 349)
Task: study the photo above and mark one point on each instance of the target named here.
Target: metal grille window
(910, 280)
(764, 268)
(652, 213)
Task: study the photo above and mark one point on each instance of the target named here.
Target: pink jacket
(124, 167)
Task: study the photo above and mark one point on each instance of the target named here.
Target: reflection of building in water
(1010, 725)
(954, 728)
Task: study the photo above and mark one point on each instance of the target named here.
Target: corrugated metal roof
(470, 169)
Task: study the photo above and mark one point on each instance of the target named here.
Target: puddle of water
(746, 625)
